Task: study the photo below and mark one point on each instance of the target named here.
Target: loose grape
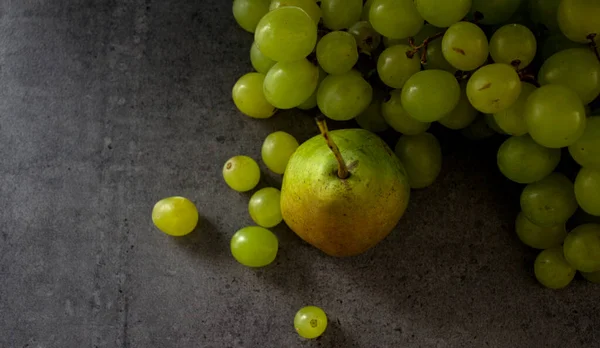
(586, 150)
(394, 67)
(259, 61)
(254, 246)
(264, 207)
(593, 277)
(578, 19)
(367, 39)
(511, 120)
(310, 322)
(544, 12)
(552, 270)
(371, 119)
(241, 173)
(311, 102)
(550, 201)
(494, 88)
(587, 190)
(337, 52)
(513, 44)
(422, 158)
(309, 6)
(175, 216)
(478, 130)
(341, 14)
(249, 97)
(465, 46)
(524, 161)
(430, 95)
(539, 237)
(582, 248)
(398, 118)
(286, 34)
(495, 11)
(277, 149)
(247, 13)
(462, 115)
(443, 13)
(555, 116)
(575, 68)
(395, 19)
(343, 97)
(289, 84)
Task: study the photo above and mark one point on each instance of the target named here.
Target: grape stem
(423, 46)
(593, 45)
(342, 169)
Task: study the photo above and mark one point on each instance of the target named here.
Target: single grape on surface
(430, 95)
(587, 190)
(524, 161)
(310, 322)
(550, 201)
(277, 149)
(249, 97)
(422, 158)
(241, 173)
(248, 13)
(264, 207)
(552, 270)
(582, 248)
(254, 246)
(494, 88)
(539, 237)
(398, 118)
(175, 216)
(586, 150)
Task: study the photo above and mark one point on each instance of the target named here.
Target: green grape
(552, 270)
(367, 39)
(426, 31)
(443, 13)
(311, 102)
(241, 173)
(512, 120)
(371, 119)
(593, 277)
(395, 68)
(544, 12)
(493, 88)
(286, 34)
(575, 68)
(478, 130)
(395, 19)
(495, 11)
(513, 44)
(550, 201)
(436, 59)
(524, 161)
(310, 322)
(398, 118)
(254, 246)
(586, 150)
(309, 6)
(558, 42)
(259, 61)
(249, 97)
(555, 116)
(421, 156)
(387, 42)
(337, 53)
(539, 237)
(582, 248)
(175, 216)
(430, 95)
(289, 84)
(341, 14)
(587, 190)
(491, 122)
(248, 13)
(465, 46)
(277, 149)
(578, 19)
(264, 207)
(366, 9)
(343, 97)
(462, 115)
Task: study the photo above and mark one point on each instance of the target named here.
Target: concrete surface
(107, 106)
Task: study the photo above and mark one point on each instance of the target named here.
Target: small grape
(465, 46)
(421, 156)
(494, 11)
(513, 44)
(430, 95)
(248, 13)
(310, 322)
(587, 190)
(550, 201)
(524, 161)
(539, 237)
(341, 14)
(254, 246)
(578, 19)
(309, 6)
(398, 118)
(367, 39)
(337, 52)
(343, 97)
(586, 150)
(249, 97)
(593, 277)
(435, 58)
(289, 84)
(259, 61)
(462, 115)
(582, 248)
(175, 216)
(277, 149)
(395, 19)
(443, 13)
(552, 270)
(311, 102)
(264, 207)
(395, 67)
(371, 119)
(512, 120)
(555, 116)
(241, 173)
(494, 88)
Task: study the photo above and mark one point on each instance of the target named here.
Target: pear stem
(342, 169)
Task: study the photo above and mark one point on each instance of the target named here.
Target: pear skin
(344, 217)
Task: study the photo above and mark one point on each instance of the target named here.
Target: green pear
(344, 191)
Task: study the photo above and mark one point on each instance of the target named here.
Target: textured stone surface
(109, 105)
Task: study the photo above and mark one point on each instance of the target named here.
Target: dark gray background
(107, 106)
